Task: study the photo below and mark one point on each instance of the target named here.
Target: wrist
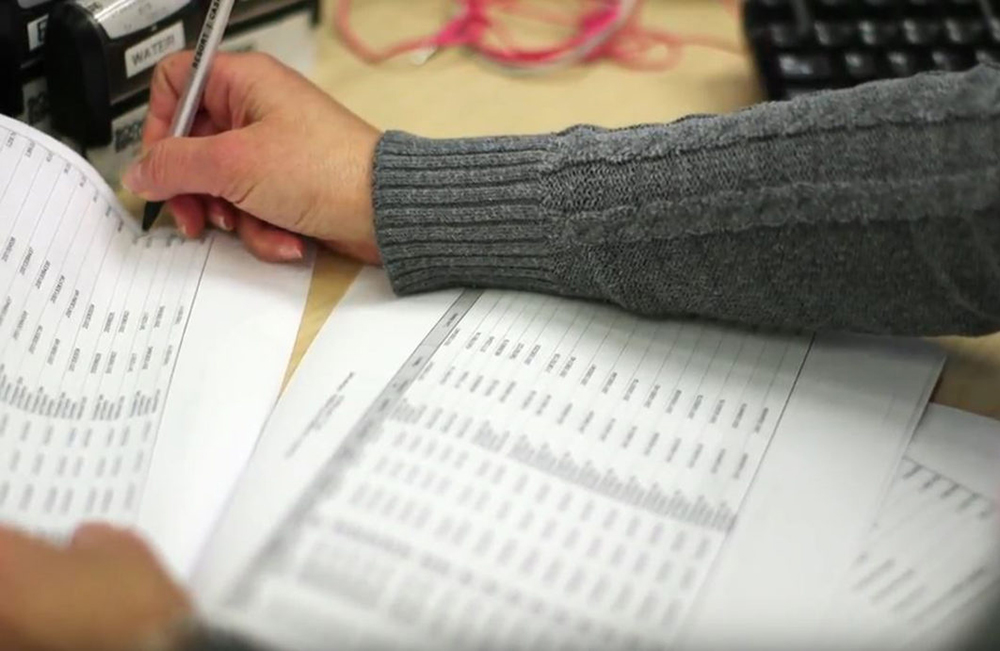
(470, 211)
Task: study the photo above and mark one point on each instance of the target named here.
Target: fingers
(211, 165)
(166, 87)
(264, 241)
(104, 590)
(204, 126)
(17, 547)
(189, 211)
(94, 534)
(101, 538)
(98, 537)
(221, 214)
(20, 556)
(164, 94)
(189, 214)
(21, 550)
(268, 243)
(226, 98)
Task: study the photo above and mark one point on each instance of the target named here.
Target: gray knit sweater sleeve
(875, 209)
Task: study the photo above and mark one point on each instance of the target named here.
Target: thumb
(97, 535)
(177, 166)
(105, 539)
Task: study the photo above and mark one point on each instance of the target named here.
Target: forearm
(876, 209)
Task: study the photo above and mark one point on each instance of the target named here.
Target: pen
(208, 43)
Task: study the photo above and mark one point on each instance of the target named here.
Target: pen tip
(150, 213)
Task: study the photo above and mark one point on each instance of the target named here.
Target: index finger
(168, 83)
(165, 91)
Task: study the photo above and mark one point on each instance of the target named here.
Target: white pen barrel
(208, 43)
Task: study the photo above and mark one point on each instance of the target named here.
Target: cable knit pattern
(875, 209)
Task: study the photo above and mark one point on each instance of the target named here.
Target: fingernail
(183, 228)
(221, 220)
(132, 179)
(290, 252)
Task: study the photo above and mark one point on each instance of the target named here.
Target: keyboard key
(880, 7)
(926, 9)
(827, 44)
(878, 33)
(786, 35)
(903, 64)
(964, 8)
(805, 67)
(920, 32)
(777, 9)
(964, 32)
(833, 8)
(861, 66)
(835, 34)
(949, 61)
(988, 56)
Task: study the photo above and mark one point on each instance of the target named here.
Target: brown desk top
(455, 94)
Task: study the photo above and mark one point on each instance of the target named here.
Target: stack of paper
(502, 470)
(929, 568)
(473, 469)
(136, 371)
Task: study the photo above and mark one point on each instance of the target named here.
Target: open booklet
(136, 371)
(502, 470)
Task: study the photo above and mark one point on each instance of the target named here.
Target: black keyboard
(801, 46)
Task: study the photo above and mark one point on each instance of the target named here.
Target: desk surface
(454, 94)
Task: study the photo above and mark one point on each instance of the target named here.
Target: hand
(271, 156)
(104, 591)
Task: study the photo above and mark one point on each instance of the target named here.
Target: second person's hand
(270, 156)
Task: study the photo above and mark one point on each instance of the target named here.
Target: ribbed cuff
(466, 212)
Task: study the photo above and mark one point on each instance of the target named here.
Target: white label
(36, 33)
(144, 55)
(122, 17)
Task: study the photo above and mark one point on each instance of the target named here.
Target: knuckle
(263, 60)
(232, 158)
(265, 65)
(159, 80)
(156, 164)
(162, 70)
(226, 63)
(253, 63)
(228, 151)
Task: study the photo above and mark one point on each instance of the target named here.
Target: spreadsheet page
(107, 340)
(505, 470)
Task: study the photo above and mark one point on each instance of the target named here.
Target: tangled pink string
(602, 29)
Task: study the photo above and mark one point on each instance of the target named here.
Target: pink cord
(604, 29)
